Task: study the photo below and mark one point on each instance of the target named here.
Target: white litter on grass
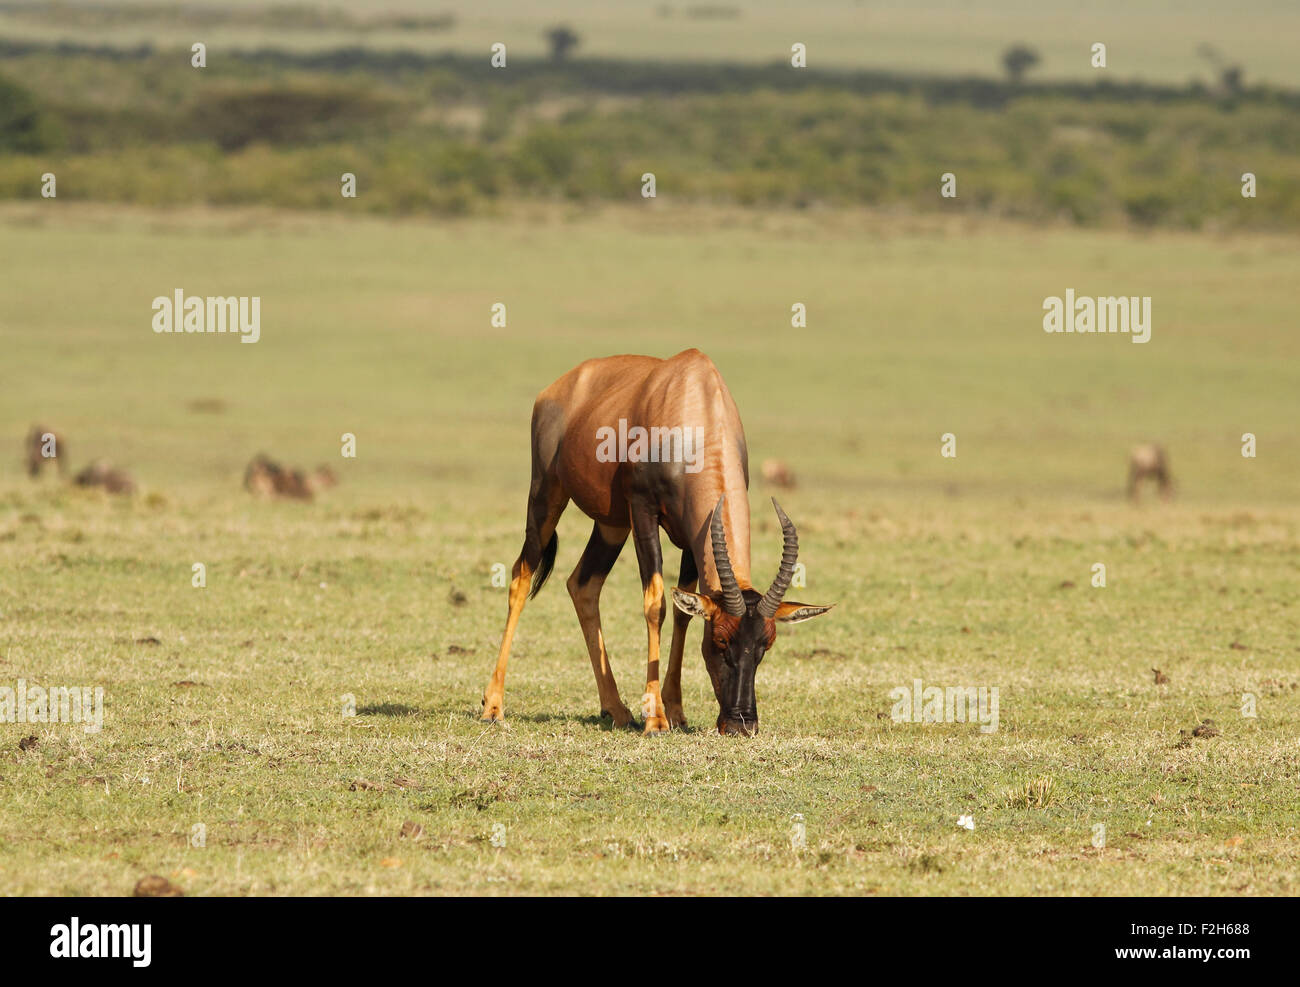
(966, 822)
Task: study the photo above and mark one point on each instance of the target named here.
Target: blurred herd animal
(777, 474)
(102, 473)
(264, 477)
(1149, 462)
(44, 445)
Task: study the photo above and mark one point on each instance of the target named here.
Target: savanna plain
(225, 705)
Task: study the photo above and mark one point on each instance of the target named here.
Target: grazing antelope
(321, 478)
(262, 476)
(42, 445)
(265, 477)
(691, 479)
(102, 473)
(777, 474)
(1149, 461)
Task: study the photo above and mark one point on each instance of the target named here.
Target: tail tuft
(547, 564)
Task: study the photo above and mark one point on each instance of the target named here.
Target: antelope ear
(795, 613)
(694, 605)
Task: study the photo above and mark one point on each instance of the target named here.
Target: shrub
(24, 127)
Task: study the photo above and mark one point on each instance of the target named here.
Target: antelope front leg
(652, 703)
(672, 687)
(645, 528)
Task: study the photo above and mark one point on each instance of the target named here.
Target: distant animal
(260, 476)
(777, 474)
(41, 446)
(264, 477)
(322, 478)
(102, 473)
(1148, 461)
(698, 495)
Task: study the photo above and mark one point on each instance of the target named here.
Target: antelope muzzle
(738, 708)
(738, 725)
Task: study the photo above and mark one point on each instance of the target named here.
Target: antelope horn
(732, 600)
(789, 555)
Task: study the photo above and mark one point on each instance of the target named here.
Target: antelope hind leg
(585, 584)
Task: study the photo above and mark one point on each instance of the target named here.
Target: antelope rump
(701, 503)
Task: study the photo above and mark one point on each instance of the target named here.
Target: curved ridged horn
(789, 555)
(732, 600)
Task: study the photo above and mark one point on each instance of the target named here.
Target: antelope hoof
(655, 724)
(676, 718)
(492, 711)
(621, 716)
(738, 728)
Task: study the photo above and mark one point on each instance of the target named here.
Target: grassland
(224, 703)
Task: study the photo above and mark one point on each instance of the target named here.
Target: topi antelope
(777, 474)
(41, 445)
(264, 477)
(691, 479)
(102, 473)
(1149, 461)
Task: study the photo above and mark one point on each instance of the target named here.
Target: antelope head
(740, 625)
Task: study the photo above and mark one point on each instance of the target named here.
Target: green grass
(951, 571)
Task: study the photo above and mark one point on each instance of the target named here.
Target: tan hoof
(656, 724)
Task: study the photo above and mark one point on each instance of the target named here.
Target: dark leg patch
(598, 557)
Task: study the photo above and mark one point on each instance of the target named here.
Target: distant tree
(561, 40)
(1230, 76)
(1017, 60)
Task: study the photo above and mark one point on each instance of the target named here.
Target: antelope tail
(545, 566)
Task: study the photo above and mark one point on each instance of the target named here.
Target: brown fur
(724, 626)
(264, 477)
(685, 390)
(777, 474)
(1149, 462)
(33, 451)
(102, 473)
